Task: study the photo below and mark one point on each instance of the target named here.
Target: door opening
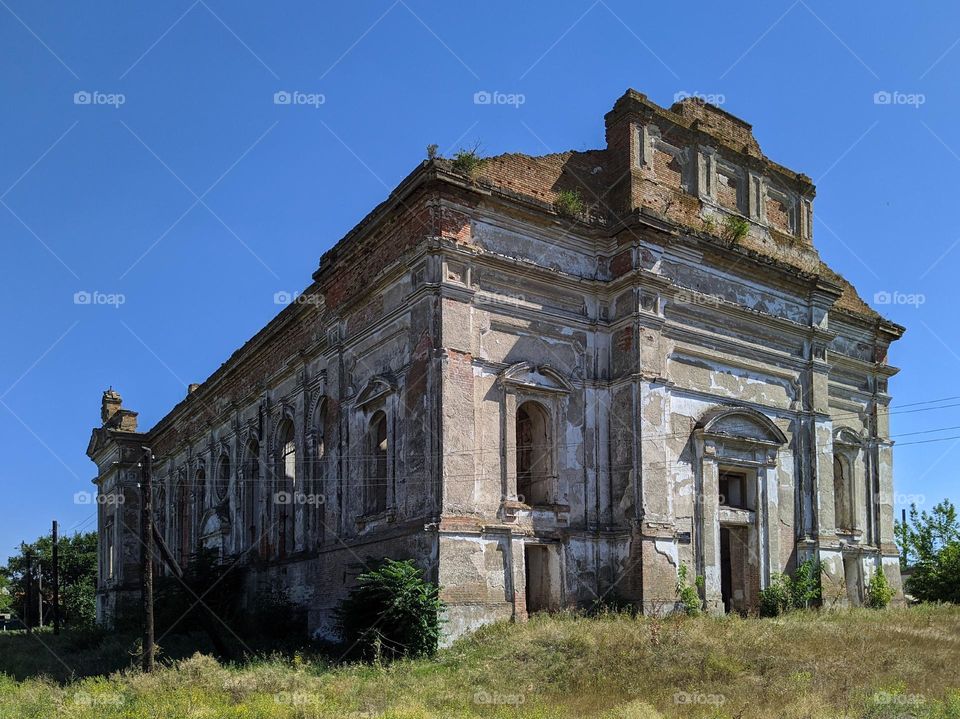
(542, 578)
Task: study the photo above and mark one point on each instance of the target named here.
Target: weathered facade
(543, 403)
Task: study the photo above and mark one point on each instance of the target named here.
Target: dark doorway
(537, 565)
(533, 454)
(726, 581)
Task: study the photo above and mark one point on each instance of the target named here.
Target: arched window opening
(223, 477)
(843, 492)
(375, 487)
(182, 510)
(319, 475)
(534, 454)
(251, 482)
(200, 491)
(287, 489)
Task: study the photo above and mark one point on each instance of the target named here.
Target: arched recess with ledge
(379, 407)
(249, 492)
(534, 400)
(322, 489)
(535, 443)
(737, 535)
(533, 406)
(847, 475)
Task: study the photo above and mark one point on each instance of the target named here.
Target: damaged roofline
(631, 99)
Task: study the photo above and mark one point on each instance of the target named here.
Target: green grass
(863, 663)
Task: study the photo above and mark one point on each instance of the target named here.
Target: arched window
(251, 484)
(320, 473)
(286, 489)
(534, 454)
(200, 491)
(182, 510)
(843, 492)
(223, 477)
(375, 486)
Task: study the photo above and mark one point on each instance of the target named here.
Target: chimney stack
(110, 405)
(113, 415)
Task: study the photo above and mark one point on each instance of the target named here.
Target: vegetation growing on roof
(468, 162)
(734, 228)
(569, 203)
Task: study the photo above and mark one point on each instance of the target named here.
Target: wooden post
(29, 602)
(56, 578)
(40, 594)
(146, 555)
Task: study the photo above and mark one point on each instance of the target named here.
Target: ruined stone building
(548, 380)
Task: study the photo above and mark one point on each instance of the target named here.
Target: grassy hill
(863, 663)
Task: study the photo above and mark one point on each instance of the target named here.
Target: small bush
(735, 228)
(786, 593)
(777, 598)
(879, 591)
(806, 586)
(432, 150)
(467, 162)
(688, 596)
(393, 612)
(569, 203)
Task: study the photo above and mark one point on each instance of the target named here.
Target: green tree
(5, 598)
(78, 577)
(931, 545)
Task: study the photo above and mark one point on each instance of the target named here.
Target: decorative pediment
(846, 437)
(741, 423)
(542, 378)
(375, 390)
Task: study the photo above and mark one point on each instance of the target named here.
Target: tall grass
(862, 663)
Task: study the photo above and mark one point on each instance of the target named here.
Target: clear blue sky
(101, 197)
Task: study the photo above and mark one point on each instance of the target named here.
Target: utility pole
(29, 603)
(56, 578)
(146, 555)
(39, 593)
